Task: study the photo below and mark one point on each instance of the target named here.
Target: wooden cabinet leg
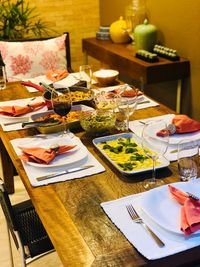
(7, 169)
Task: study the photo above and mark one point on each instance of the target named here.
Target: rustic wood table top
(80, 230)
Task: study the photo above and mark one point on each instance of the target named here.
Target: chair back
(8, 211)
(30, 58)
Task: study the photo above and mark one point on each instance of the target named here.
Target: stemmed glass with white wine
(154, 147)
(62, 103)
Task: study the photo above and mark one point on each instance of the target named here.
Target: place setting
(55, 158)
(14, 112)
(169, 211)
(180, 128)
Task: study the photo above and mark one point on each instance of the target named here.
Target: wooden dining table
(80, 231)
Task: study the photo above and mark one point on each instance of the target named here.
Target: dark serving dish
(88, 101)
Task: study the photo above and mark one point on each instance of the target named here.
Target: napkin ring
(171, 128)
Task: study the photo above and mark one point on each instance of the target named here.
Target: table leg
(85, 58)
(7, 169)
(178, 96)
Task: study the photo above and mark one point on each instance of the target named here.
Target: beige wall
(179, 25)
(79, 18)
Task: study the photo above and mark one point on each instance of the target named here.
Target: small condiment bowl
(106, 77)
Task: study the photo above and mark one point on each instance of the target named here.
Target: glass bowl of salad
(98, 122)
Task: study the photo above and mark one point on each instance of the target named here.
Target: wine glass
(154, 147)
(127, 105)
(62, 103)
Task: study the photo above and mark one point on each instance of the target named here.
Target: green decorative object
(145, 36)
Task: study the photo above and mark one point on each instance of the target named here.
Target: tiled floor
(50, 260)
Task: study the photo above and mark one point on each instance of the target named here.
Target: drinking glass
(85, 72)
(126, 108)
(154, 147)
(188, 159)
(61, 102)
(2, 78)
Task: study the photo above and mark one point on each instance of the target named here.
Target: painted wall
(80, 19)
(179, 27)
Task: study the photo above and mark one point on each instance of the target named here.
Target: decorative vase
(118, 32)
(145, 36)
(135, 14)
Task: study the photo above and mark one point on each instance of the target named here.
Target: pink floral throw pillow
(33, 58)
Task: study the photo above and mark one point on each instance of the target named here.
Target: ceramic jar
(145, 36)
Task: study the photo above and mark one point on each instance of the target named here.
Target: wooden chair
(26, 229)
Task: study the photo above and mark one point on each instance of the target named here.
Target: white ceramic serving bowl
(106, 77)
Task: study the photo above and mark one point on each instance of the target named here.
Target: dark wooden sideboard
(122, 57)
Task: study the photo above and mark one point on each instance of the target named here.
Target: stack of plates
(103, 33)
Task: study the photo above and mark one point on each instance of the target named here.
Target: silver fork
(136, 218)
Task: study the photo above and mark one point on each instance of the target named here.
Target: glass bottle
(135, 14)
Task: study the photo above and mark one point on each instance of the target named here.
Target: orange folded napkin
(15, 111)
(180, 124)
(57, 75)
(43, 155)
(190, 211)
(128, 92)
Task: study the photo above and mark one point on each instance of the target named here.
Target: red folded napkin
(43, 155)
(15, 111)
(57, 75)
(190, 211)
(34, 85)
(180, 124)
(130, 92)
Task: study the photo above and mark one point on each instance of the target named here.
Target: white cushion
(33, 58)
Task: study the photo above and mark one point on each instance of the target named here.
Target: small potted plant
(18, 21)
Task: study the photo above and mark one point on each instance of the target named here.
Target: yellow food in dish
(80, 95)
(127, 154)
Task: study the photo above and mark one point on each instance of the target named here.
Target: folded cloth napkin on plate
(34, 85)
(180, 124)
(129, 92)
(190, 211)
(15, 111)
(43, 155)
(57, 75)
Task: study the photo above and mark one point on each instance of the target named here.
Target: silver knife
(14, 122)
(144, 102)
(55, 174)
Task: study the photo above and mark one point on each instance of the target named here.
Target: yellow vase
(118, 31)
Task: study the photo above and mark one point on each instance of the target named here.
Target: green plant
(18, 21)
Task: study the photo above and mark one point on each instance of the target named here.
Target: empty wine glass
(61, 102)
(127, 105)
(154, 147)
